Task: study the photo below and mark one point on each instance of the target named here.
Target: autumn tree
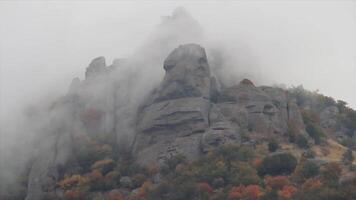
(250, 192)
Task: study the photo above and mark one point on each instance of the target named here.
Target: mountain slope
(188, 119)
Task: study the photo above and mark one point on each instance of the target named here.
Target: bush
(302, 142)
(311, 121)
(331, 173)
(273, 145)
(348, 157)
(174, 161)
(250, 192)
(278, 164)
(276, 182)
(309, 170)
(315, 132)
(105, 165)
(242, 174)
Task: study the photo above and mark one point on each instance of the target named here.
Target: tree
(276, 182)
(348, 157)
(309, 170)
(331, 173)
(277, 164)
(204, 190)
(287, 192)
(250, 192)
(273, 145)
(302, 141)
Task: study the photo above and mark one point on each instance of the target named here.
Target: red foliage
(95, 175)
(115, 195)
(71, 181)
(276, 182)
(287, 192)
(250, 192)
(140, 194)
(74, 194)
(205, 187)
(256, 162)
(311, 183)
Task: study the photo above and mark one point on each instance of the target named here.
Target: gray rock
(175, 116)
(54, 151)
(126, 182)
(328, 117)
(96, 67)
(221, 131)
(264, 115)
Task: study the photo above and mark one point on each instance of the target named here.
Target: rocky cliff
(189, 113)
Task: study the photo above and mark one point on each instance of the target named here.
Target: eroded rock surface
(186, 114)
(175, 116)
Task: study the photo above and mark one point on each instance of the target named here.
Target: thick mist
(44, 45)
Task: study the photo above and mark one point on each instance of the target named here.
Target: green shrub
(309, 169)
(348, 157)
(313, 128)
(277, 164)
(273, 145)
(315, 132)
(302, 141)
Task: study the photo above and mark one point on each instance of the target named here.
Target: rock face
(187, 114)
(96, 67)
(328, 117)
(261, 111)
(54, 151)
(176, 114)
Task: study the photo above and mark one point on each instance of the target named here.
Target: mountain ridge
(187, 115)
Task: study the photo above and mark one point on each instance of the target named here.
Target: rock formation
(175, 116)
(186, 114)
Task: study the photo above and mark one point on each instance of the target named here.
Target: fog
(44, 45)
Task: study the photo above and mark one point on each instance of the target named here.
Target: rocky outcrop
(222, 131)
(259, 110)
(187, 114)
(175, 116)
(329, 117)
(96, 67)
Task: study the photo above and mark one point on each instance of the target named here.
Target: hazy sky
(44, 44)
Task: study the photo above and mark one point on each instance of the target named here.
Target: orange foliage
(140, 194)
(256, 162)
(205, 187)
(287, 192)
(276, 182)
(115, 195)
(95, 175)
(74, 194)
(311, 183)
(74, 180)
(250, 192)
(102, 163)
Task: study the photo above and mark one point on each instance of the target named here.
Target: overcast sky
(43, 45)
